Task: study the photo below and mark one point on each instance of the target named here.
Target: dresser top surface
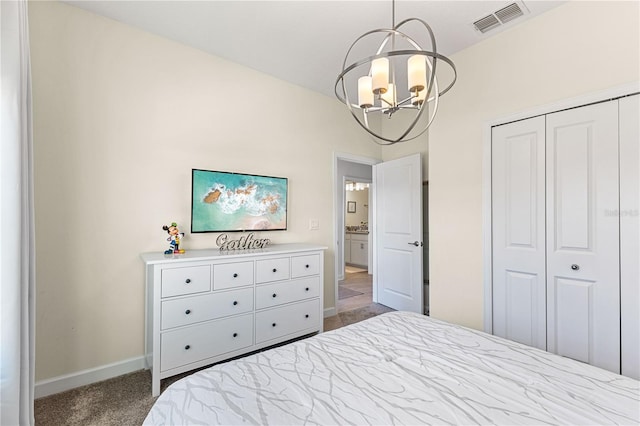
(209, 254)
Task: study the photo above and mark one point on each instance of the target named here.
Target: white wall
(121, 118)
(361, 198)
(577, 48)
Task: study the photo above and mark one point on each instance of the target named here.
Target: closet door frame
(600, 96)
(629, 231)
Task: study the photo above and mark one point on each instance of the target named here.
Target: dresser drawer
(275, 323)
(304, 266)
(204, 307)
(228, 275)
(187, 280)
(198, 342)
(275, 294)
(272, 270)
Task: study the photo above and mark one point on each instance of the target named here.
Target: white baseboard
(330, 312)
(86, 377)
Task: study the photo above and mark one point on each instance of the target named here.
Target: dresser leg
(155, 385)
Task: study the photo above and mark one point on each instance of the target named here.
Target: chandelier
(398, 81)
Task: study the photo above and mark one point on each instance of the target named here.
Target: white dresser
(205, 306)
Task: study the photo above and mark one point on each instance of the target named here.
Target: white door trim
(599, 96)
(336, 231)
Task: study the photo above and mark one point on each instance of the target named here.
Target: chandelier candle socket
(398, 79)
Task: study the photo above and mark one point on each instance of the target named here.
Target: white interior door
(398, 233)
(583, 294)
(630, 234)
(518, 240)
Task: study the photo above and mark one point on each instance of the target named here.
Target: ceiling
(302, 42)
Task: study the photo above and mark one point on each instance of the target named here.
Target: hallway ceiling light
(399, 80)
(356, 186)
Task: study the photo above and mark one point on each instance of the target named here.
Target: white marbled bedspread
(400, 368)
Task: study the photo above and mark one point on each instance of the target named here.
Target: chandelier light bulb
(380, 75)
(365, 92)
(389, 98)
(417, 73)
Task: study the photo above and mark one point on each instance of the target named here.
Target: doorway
(353, 274)
(355, 290)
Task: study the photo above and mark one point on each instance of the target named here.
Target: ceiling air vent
(485, 24)
(500, 17)
(509, 13)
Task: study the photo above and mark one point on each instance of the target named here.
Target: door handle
(415, 243)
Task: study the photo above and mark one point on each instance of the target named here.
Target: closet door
(630, 234)
(583, 294)
(518, 214)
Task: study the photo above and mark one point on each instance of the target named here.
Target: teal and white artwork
(223, 202)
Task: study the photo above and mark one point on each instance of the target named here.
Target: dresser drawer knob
(273, 295)
(235, 275)
(273, 325)
(306, 289)
(306, 316)
(187, 347)
(235, 334)
(306, 266)
(235, 302)
(274, 269)
(188, 280)
(188, 311)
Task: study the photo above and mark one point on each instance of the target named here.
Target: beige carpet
(124, 400)
(345, 293)
(127, 399)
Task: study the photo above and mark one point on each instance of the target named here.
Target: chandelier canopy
(398, 80)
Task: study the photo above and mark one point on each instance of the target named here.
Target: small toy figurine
(174, 238)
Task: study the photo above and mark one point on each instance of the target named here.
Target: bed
(400, 368)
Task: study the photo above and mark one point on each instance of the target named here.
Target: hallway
(355, 291)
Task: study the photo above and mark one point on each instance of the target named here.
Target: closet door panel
(518, 210)
(574, 299)
(583, 305)
(630, 234)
